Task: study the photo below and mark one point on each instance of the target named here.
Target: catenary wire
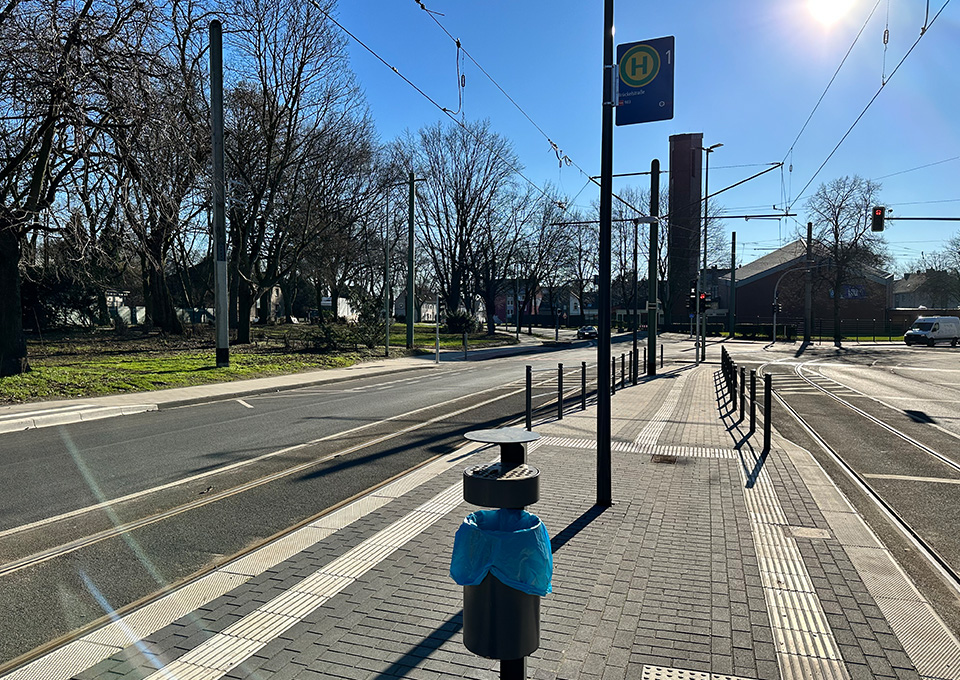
(869, 104)
(829, 84)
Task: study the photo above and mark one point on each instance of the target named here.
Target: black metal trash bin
(500, 622)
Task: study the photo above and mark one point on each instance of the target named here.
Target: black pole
(583, 385)
(623, 370)
(604, 470)
(411, 296)
(743, 387)
(767, 389)
(753, 400)
(559, 391)
(221, 302)
(529, 398)
(652, 271)
(613, 375)
(636, 304)
(513, 669)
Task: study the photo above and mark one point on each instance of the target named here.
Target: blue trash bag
(513, 545)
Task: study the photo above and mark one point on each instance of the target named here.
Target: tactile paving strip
(633, 447)
(662, 673)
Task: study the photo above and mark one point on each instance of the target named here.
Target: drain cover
(662, 458)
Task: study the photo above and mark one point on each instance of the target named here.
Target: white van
(929, 330)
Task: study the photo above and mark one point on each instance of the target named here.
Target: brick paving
(668, 577)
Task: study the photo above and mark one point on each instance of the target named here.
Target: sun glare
(828, 12)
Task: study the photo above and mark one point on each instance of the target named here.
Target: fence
(853, 330)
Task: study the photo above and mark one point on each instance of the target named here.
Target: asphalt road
(890, 413)
(99, 515)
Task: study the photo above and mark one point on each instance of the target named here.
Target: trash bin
(502, 557)
(503, 560)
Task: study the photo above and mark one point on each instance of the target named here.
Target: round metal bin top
(503, 435)
(493, 471)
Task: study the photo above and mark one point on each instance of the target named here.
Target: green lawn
(86, 363)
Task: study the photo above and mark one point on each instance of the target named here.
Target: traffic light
(878, 214)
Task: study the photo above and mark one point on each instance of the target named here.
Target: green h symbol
(638, 64)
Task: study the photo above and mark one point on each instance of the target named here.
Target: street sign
(645, 81)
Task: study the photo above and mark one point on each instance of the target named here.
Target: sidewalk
(690, 575)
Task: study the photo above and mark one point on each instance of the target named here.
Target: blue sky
(748, 74)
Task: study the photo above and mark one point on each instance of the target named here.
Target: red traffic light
(703, 296)
(879, 213)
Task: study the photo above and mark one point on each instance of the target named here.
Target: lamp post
(703, 271)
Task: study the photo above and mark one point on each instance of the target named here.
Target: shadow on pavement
(446, 630)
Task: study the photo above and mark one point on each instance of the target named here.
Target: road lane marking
(256, 459)
(243, 403)
(120, 529)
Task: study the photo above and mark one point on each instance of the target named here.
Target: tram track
(948, 573)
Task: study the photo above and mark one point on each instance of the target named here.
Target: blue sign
(645, 81)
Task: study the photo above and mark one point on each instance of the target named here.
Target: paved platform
(713, 562)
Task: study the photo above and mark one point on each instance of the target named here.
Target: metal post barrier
(753, 400)
(644, 356)
(661, 356)
(743, 387)
(623, 370)
(583, 385)
(733, 386)
(767, 389)
(464, 345)
(635, 365)
(613, 375)
(529, 398)
(559, 391)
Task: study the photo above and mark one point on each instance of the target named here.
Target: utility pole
(604, 470)
(411, 298)
(652, 270)
(733, 285)
(386, 281)
(219, 198)
(636, 303)
(808, 288)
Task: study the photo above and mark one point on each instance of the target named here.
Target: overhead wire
(432, 101)
(919, 167)
(829, 84)
(869, 104)
(562, 158)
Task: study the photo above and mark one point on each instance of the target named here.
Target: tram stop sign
(645, 81)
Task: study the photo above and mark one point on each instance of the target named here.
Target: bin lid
(503, 435)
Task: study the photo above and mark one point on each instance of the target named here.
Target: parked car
(928, 330)
(586, 332)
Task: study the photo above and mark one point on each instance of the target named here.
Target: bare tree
(298, 139)
(840, 212)
(469, 173)
(60, 63)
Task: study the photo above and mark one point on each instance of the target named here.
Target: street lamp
(703, 270)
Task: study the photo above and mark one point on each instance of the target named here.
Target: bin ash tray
(490, 485)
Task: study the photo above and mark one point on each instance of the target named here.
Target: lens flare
(828, 12)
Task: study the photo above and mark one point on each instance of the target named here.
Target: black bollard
(583, 385)
(559, 391)
(529, 398)
(767, 399)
